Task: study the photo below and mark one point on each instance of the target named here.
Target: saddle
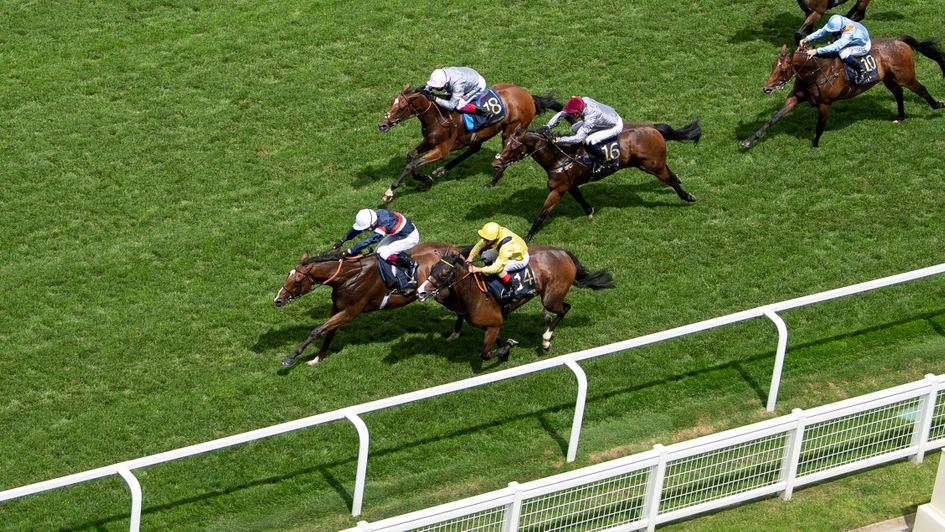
(868, 72)
(491, 110)
(397, 278)
(520, 286)
(604, 156)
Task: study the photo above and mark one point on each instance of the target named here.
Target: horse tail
(929, 48)
(543, 103)
(692, 131)
(587, 279)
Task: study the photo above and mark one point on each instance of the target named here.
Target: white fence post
(364, 439)
(654, 492)
(792, 455)
(778, 358)
(578, 420)
(923, 420)
(514, 513)
(135, 489)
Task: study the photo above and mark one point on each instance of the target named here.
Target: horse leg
(789, 104)
(674, 182)
(920, 89)
(554, 196)
(812, 18)
(579, 197)
(896, 89)
(456, 327)
(489, 336)
(411, 168)
(335, 321)
(456, 160)
(499, 170)
(824, 110)
(562, 309)
(858, 11)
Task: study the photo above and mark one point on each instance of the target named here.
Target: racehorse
(814, 9)
(642, 146)
(555, 269)
(822, 81)
(356, 287)
(443, 131)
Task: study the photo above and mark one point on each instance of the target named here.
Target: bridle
(451, 280)
(796, 70)
(414, 110)
(311, 278)
(547, 143)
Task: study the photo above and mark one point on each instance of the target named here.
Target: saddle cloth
(491, 110)
(521, 284)
(389, 271)
(869, 73)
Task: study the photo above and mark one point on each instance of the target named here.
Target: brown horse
(814, 9)
(555, 271)
(642, 146)
(822, 81)
(356, 287)
(443, 131)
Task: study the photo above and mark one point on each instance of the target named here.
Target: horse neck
(428, 112)
(547, 156)
(328, 272)
(808, 69)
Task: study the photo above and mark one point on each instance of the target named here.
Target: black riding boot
(854, 64)
(405, 263)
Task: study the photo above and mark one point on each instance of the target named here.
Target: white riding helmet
(364, 219)
(437, 79)
(835, 24)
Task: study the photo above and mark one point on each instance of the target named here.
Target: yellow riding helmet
(490, 231)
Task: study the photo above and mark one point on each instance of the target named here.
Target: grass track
(165, 163)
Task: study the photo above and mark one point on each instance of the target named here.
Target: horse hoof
(689, 197)
(389, 195)
(590, 215)
(316, 360)
(453, 337)
(439, 172)
(489, 185)
(747, 144)
(288, 361)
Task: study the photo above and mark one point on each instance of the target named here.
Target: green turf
(166, 163)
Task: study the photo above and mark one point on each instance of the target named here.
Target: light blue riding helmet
(835, 24)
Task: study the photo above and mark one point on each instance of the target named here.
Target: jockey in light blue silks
(462, 85)
(395, 234)
(852, 41)
(597, 122)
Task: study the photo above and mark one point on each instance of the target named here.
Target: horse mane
(330, 255)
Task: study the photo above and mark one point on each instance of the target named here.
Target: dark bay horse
(814, 9)
(443, 131)
(555, 271)
(642, 146)
(356, 287)
(822, 81)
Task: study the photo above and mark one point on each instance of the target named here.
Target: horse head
(520, 144)
(305, 275)
(784, 68)
(403, 106)
(443, 274)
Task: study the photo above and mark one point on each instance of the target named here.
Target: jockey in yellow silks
(511, 252)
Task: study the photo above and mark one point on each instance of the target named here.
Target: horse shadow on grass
(504, 416)
(779, 28)
(874, 107)
(609, 193)
(478, 166)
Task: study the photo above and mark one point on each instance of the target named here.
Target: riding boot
(854, 64)
(409, 267)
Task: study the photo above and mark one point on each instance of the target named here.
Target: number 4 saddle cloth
(491, 109)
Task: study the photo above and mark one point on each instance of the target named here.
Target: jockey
(511, 255)
(462, 85)
(395, 234)
(852, 41)
(598, 122)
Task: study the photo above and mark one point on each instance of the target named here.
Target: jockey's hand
(803, 43)
(811, 53)
(472, 268)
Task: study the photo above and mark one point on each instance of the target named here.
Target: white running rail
(681, 480)
(352, 414)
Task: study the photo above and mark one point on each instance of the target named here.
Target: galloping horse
(555, 271)
(814, 9)
(823, 81)
(642, 146)
(443, 131)
(356, 287)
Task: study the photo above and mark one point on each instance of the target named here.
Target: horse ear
(406, 87)
(305, 255)
(783, 48)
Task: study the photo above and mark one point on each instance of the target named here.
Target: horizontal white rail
(570, 360)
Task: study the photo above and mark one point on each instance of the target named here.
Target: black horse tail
(929, 48)
(543, 103)
(688, 132)
(587, 279)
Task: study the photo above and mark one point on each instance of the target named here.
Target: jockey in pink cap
(461, 84)
(596, 122)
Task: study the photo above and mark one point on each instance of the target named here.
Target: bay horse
(822, 81)
(555, 269)
(443, 131)
(814, 9)
(642, 145)
(356, 287)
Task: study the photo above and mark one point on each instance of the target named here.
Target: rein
(442, 120)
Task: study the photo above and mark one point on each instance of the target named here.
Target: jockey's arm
(555, 119)
(375, 237)
(497, 266)
(474, 252)
(578, 137)
(837, 45)
(352, 232)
